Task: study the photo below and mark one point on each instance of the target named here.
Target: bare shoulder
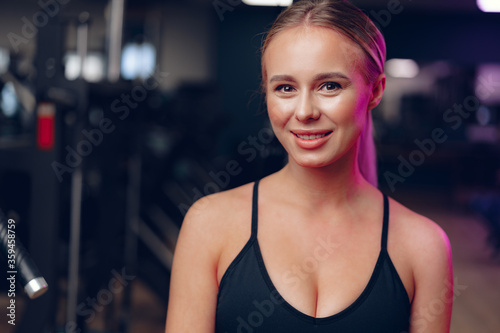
(216, 208)
(211, 219)
(423, 241)
(419, 232)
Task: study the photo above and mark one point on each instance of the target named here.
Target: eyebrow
(331, 75)
(318, 77)
(282, 78)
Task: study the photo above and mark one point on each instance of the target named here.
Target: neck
(329, 186)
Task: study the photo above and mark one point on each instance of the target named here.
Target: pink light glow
(491, 6)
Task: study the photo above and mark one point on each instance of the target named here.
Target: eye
(284, 88)
(331, 86)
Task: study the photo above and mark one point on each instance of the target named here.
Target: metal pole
(82, 32)
(115, 28)
(74, 255)
(76, 184)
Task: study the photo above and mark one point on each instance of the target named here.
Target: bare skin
(319, 195)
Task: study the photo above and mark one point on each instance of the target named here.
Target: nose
(306, 110)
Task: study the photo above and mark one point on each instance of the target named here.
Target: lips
(311, 134)
(311, 139)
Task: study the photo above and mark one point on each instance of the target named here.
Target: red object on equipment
(45, 125)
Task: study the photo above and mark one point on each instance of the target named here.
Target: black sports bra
(248, 302)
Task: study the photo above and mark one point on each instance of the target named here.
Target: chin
(312, 163)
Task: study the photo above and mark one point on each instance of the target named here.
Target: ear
(377, 91)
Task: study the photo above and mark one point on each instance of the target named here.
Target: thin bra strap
(385, 226)
(255, 207)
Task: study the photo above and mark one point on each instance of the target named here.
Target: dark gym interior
(116, 115)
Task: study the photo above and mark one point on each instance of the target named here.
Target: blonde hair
(352, 23)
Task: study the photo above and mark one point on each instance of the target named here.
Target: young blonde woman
(314, 247)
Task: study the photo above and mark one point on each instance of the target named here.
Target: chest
(319, 273)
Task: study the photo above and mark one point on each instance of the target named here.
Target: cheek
(357, 104)
(279, 111)
(345, 110)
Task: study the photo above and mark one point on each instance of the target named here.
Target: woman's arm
(433, 278)
(193, 284)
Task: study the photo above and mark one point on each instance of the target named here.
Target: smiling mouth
(312, 137)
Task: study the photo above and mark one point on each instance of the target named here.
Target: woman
(314, 247)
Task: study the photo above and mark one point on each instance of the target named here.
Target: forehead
(307, 48)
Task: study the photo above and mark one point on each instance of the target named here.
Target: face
(316, 95)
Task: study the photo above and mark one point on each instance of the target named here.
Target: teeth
(311, 137)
